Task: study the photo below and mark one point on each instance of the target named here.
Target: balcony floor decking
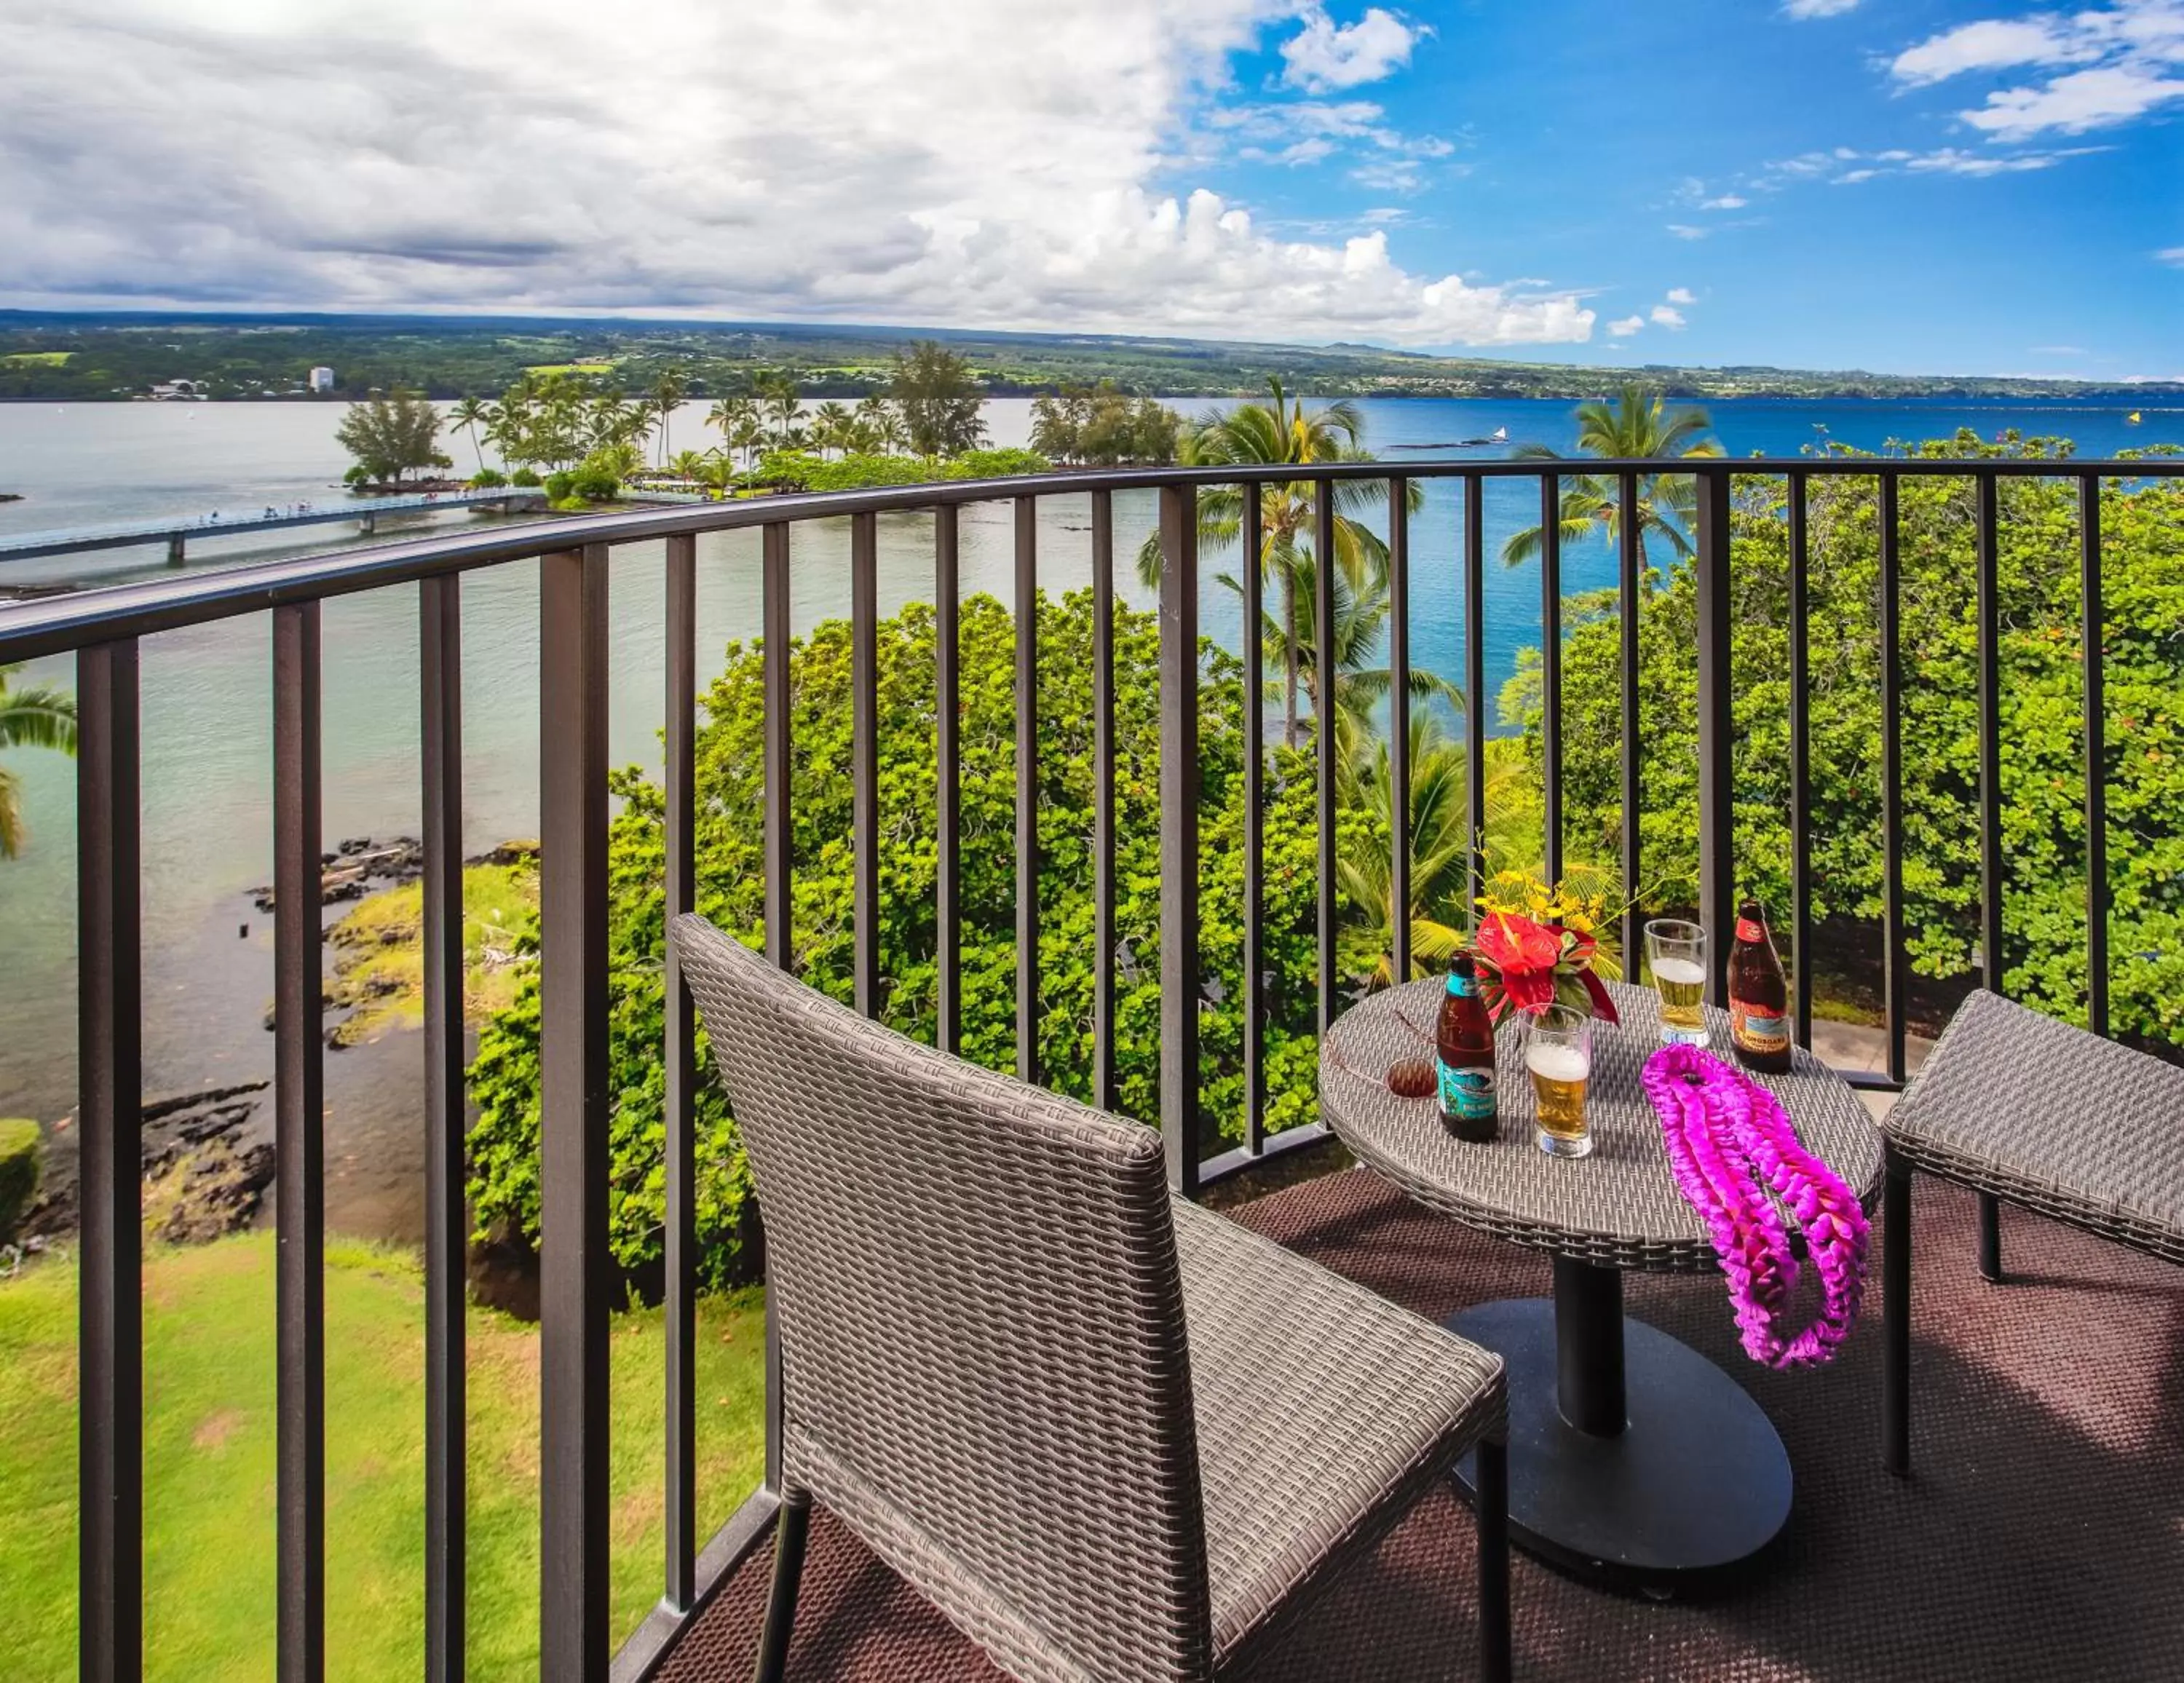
(2041, 1537)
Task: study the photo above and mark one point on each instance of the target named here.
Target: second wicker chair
(1114, 1438)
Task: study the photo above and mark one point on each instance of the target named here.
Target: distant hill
(78, 357)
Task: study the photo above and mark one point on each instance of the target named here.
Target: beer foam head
(1687, 970)
(1555, 1063)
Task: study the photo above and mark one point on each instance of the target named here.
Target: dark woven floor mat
(2041, 1539)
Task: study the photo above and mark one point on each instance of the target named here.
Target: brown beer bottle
(1758, 995)
(1463, 1041)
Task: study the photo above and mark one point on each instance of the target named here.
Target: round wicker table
(1632, 1458)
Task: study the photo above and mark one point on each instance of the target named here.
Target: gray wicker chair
(1114, 1438)
(2027, 1110)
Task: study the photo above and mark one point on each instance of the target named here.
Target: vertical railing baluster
(1254, 821)
(680, 841)
(780, 907)
(774, 613)
(574, 1268)
(1893, 973)
(1103, 799)
(1474, 684)
(864, 753)
(1325, 729)
(1717, 809)
(1986, 492)
(110, 1112)
(1178, 849)
(1801, 768)
(1399, 729)
(1027, 700)
(440, 694)
(1631, 575)
(948, 792)
(1551, 677)
(2097, 795)
(299, 1125)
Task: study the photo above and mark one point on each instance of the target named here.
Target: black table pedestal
(1633, 1460)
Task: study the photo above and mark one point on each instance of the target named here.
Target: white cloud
(1817, 8)
(2083, 100)
(392, 153)
(1681, 295)
(2058, 350)
(1991, 44)
(1664, 316)
(1728, 201)
(2174, 257)
(1844, 166)
(1324, 57)
(1685, 231)
(1625, 327)
(2112, 65)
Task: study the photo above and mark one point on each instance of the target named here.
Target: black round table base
(1696, 1484)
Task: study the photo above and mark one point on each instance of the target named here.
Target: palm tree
(32, 715)
(1439, 838)
(830, 426)
(1286, 431)
(668, 391)
(730, 413)
(780, 407)
(883, 422)
(749, 436)
(1360, 616)
(471, 415)
(1635, 426)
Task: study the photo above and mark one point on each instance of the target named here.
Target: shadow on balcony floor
(2042, 1538)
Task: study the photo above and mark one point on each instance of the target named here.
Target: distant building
(322, 379)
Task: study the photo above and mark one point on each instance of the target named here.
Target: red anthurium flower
(1603, 1006)
(1516, 945)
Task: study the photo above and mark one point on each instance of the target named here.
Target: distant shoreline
(100, 357)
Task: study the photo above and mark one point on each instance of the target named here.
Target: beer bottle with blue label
(1463, 1041)
(1758, 995)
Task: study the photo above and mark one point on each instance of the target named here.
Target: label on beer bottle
(1746, 930)
(1467, 1094)
(1463, 987)
(1757, 1029)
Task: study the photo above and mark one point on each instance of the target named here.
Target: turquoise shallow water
(206, 691)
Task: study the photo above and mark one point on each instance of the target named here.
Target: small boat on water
(1499, 436)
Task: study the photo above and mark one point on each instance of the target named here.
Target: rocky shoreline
(204, 1175)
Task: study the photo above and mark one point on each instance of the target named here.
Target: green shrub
(486, 478)
(525, 476)
(560, 486)
(20, 1144)
(594, 484)
(503, 1147)
(1003, 463)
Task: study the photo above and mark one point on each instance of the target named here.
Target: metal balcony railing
(104, 629)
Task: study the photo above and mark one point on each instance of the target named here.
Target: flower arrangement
(1734, 1155)
(1540, 943)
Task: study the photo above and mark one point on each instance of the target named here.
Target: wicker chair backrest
(983, 1363)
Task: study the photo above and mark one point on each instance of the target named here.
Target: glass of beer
(1675, 951)
(1559, 1055)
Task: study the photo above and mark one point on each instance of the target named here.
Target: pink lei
(1730, 1145)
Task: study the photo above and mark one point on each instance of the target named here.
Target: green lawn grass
(43, 358)
(209, 1469)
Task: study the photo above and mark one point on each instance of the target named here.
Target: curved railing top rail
(54, 624)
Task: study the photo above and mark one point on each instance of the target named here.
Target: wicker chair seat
(1323, 1412)
(2052, 1118)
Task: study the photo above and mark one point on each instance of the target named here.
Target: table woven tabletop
(1618, 1207)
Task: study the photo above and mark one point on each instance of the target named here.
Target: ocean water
(207, 725)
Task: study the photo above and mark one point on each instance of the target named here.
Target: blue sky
(1641, 149)
(1915, 186)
